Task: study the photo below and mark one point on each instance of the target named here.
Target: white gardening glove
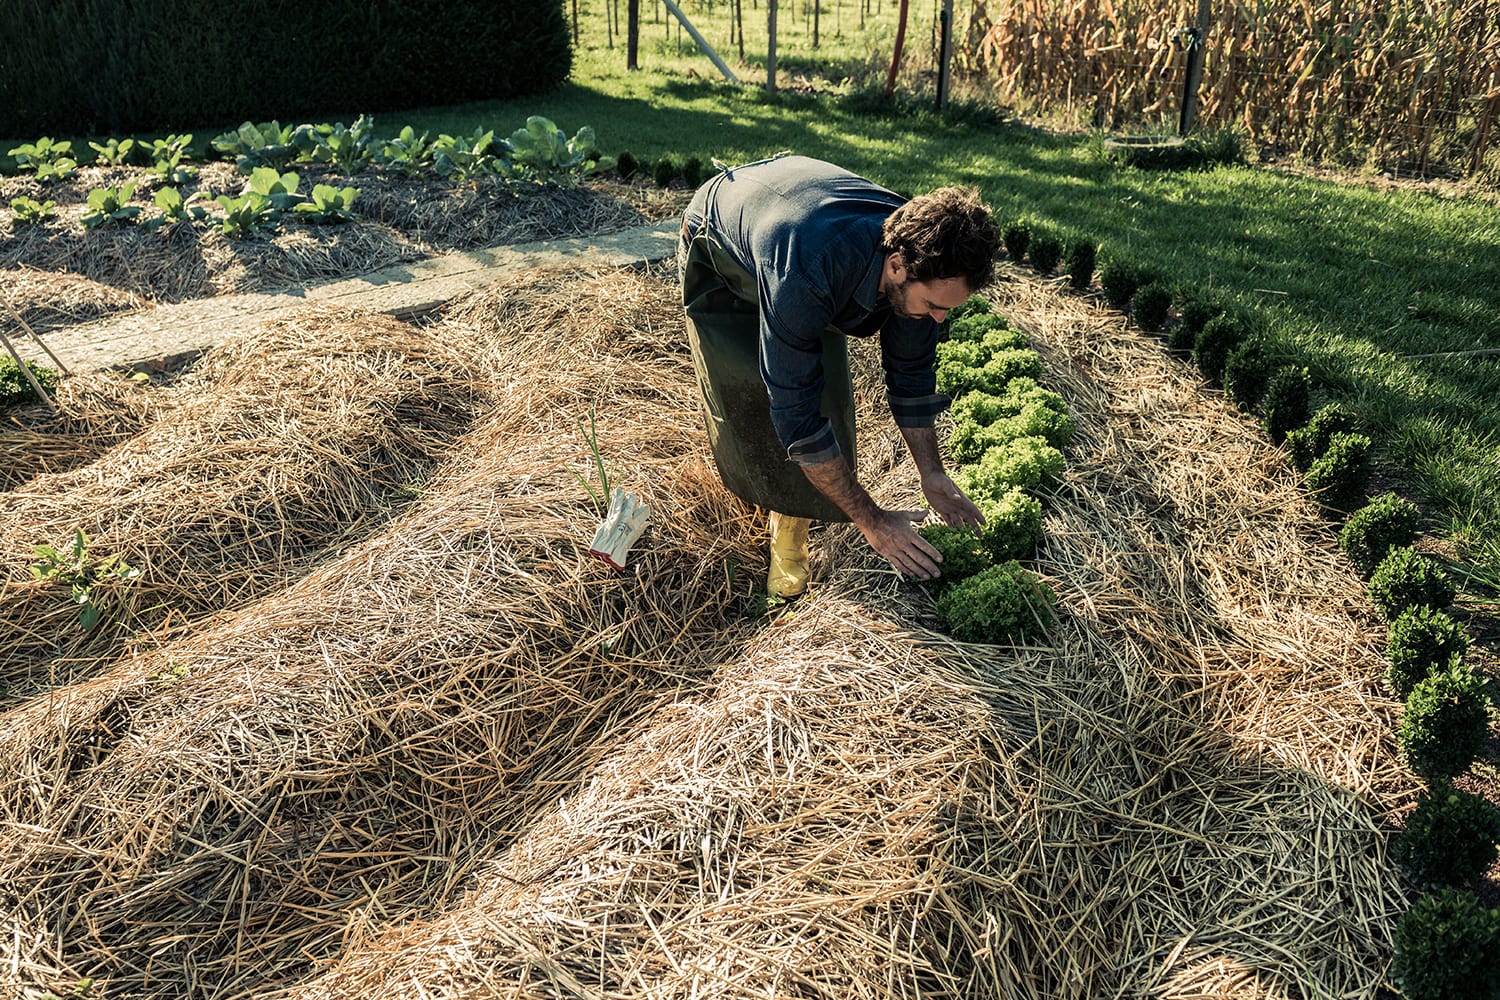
(622, 526)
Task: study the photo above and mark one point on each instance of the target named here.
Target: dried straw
(463, 759)
(285, 441)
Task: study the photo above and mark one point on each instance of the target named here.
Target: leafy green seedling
(81, 574)
(329, 204)
(175, 208)
(278, 188)
(246, 215)
(51, 161)
(30, 212)
(408, 153)
(464, 158)
(265, 145)
(110, 205)
(349, 150)
(113, 152)
(168, 156)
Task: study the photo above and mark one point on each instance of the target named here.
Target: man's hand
(892, 534)
(949, 501)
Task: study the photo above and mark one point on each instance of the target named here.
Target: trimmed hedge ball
(1385, 523)
(1447, 947)
(1445, 724)
(1213, 345)
(1449, 839)
(1149, 307)
(1288, 403)
(1308, 444)
(1046, 251)
(1119, 282)
(1339, 477)
(1422, 642)
(1080, 261)
(1247, 372)
(1406, 579)
(1017, 239)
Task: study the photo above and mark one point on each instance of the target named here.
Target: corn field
(1410, 85)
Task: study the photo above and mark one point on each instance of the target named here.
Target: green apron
(723, 323)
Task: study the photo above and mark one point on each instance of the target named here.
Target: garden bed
(439, 746)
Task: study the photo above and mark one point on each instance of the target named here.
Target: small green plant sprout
(1309, 443)
(1012, 525)
(407, 153)
(1080, 261)
(1445, 724)
(1385, 523)
(81, 989)
(1288, 402)
(51, 161)
(1450, 839)
(268, 144)
(1045, 252)
(113, 152)
(15, 387)
(626, 165)
(1017, 238)
(30, 212)
(1002, 604)
(1150, 305)
(1406, 579)
(1447, 947)
(108, 205)
(277, 188)
(1215, 342)
(172, 674)
(1247, 372)
(664, 171)
(329, 204)
(1338, 478)
(543, 153)
(1028, 463)
(175, 208)
(465, 158)
(962, 553)
(169, 159)
(591, 438)
(348, 150)
(246, 215)
(1422, 642)
(82, 575)
(692, 172)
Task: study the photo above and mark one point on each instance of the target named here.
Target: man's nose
(940, 314)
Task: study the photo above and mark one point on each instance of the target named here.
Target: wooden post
(702, 43)
(890, 80)
(945, 54)
(815, 12)
(771, 45)
(1197, 41)
(632, 33)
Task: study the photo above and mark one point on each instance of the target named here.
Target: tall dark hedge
(113, 66)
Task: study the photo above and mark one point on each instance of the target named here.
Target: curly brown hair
(945, 234)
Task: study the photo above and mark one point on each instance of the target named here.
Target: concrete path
(158, 338)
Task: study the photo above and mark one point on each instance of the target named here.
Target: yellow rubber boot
(788, 576)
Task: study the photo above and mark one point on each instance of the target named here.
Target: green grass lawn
(1345, 278)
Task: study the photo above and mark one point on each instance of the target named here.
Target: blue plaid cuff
(815, 448)
(917, 411)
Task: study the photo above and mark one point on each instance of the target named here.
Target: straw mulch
(401, 220)
(94, 412)
(206, 816)
(45, 300)
(465, 760)
(291, 438)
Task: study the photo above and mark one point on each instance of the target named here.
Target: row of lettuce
(1007, 438)
(1447, 945)
(536, 155)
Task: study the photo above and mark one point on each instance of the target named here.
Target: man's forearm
(835, 480)
(922, 443)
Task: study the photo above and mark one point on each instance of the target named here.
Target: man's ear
(895, 266)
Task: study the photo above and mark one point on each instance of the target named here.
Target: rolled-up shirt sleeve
(793, 315)
(908, 353)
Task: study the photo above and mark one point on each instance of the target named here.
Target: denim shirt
(808, 232)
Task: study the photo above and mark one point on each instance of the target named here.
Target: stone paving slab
(163, 336)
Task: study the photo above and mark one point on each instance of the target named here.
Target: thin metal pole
(26, 370)
(1198, 40)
